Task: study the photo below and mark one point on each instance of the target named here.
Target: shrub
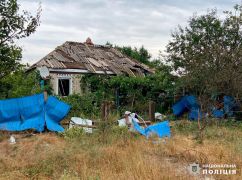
(73, 133)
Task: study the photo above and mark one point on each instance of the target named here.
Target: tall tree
(13, 25)
(140, 54)
(208, 52)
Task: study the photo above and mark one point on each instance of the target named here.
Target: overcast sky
(121, 22)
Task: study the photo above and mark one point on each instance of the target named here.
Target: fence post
(45, 96)
(105, 110)
(117, 98)
(151, 110)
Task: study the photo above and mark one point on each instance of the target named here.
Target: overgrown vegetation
(207, 53)
(13, 25)
(120, 153)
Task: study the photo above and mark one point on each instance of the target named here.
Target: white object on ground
(122, 122)
(79, 121)
(159, 116)
(12, 140)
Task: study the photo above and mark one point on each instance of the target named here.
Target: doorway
(64, 87)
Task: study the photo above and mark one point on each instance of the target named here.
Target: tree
(13, 25)
(140, 54)
(19, 84)
(207, 54)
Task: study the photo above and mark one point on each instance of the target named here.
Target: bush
(82, 106)
(73, 133)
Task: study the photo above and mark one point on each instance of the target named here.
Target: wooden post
(105, 109)
(151, 110)
(45, 95)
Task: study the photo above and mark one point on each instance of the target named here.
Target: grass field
(115, 153)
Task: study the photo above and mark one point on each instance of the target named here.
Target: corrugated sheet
(92, 58)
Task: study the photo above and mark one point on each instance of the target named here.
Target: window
(64, 87)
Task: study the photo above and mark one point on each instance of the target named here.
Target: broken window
(64, 87)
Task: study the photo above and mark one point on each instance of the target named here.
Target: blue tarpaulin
(138, 128)
(195, 114)
(228, 105)
(218, 113)
(161, 129)
(187, 103)
(56, 110)
(190, 104)
(180, 107)
(32, 112)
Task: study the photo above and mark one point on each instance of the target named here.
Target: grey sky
(121, 22)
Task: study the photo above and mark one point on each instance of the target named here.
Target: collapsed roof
(93, 59)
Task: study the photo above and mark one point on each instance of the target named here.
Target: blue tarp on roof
(31, 112)
(161, 129)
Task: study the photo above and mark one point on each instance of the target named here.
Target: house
(70, 61)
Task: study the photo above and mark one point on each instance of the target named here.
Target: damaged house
(70, 61)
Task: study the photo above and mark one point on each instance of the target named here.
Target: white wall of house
(75, 85)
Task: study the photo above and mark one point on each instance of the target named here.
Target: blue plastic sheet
(180, 107)
(161, 129)
(195, 114)
(187, 103)
(218, 113)
(138, 128)
(56, 110)
(227, 109)
(31, 112)
(228, 105)
(22, 113)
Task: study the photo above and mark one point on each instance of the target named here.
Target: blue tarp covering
(195, 114)
(31, 112)
(138, 128)
(161, 129)
(187, 103)
(228, 105)
(190, 104)
(218, 113)
(180, 107)
(227, 109)
(55, 111)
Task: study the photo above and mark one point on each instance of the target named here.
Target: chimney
(89, 42)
